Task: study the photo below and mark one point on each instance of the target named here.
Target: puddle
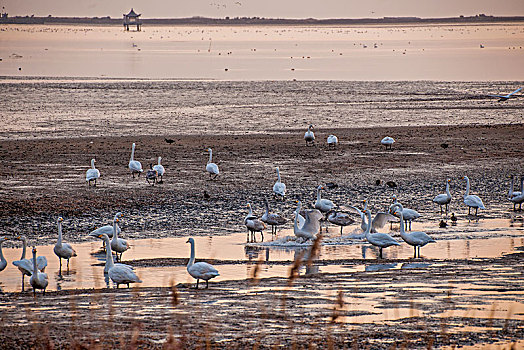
(83, 272)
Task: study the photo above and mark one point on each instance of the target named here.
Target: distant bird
(444, 145)
(134, 165)
(391, 184)
(151, 175)
(481, 46)
(272, 219)
(453, 218)
(61, 249)
(170, 141)
(211, 167)
(415, 238)
(119, 273)
(331, 185)
(206, 195)
(200, 270)
(253, 225)
(472, 201)
(378, 182)
(159, 168)
(332, 141)
(512, 193)
(309, 136)
(442, 224)
(3, 262)
(444, 198)
(380, 240)
(92, 174)
(279, 188)
(508, 96)
(340, 219)
(387, 141)
(38, 279)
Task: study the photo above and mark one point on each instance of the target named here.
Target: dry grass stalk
(256, 270)
(175, 299)
(315, 250)
(339, 305)
(293, 273)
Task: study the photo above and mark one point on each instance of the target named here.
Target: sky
(265, 8)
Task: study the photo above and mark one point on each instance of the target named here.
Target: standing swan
(471, 200)
(200, 270)
(324, 205)
(444, 198)
(272, 219)
(38, 279)
(160, 170)
(253, 225)
(339, 219)
(211, 167)
(119, 245)
(26, 265)
(134, 165)
(92, 174)
(3, 262)
(380, 240)
(309, 136)
(279, 188)
(63, 250)
(388, 142)
(415, 238)
(119, 273)
(409, 214)
(516, 197)
(378, 221)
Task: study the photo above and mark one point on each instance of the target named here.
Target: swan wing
(381, 219)
(202, 270)
(212, 168)
(421, 238)
(356, 209)
(159, 169)
(279, 188)
(474, 201)
(121, 274)
(135, 165)
(24, 265)
(41, 262)
(107, 229)
(92, 174)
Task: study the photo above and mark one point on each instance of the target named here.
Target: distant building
(132, 19)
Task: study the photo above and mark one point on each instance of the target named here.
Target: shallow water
(421, 52)
(485, 239)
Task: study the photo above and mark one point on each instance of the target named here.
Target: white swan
(26, 265)
(200, 270)
(38, 279)
(380, 240)
(107, 229)
(309, 136)
(253, 225)
(332, 141)
(272, 219)
(324, 205)
(414, 238)
(211, 167)
(119, 273)
(340, 219)
(160, 170)
(378, 221)
(3, 262)
(387, 141)
(92, 174)
(134, 165)
(311, 224)
(119, 245)
(279, 188)
(512, 193)
(472, 201)
(409, 214)
(443, 198)
(517, 197)
(63, 250)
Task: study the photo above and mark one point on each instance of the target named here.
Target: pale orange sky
(266, 8)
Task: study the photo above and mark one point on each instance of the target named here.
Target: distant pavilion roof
(132, 13)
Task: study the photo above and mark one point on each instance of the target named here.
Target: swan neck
(159, 160)
(447, 190)
(59, 233)
(297, 213)
(467, 187)
(35, 268)
(115, 230)
(278, 175)
(210, 155)
(402, 231)
(24, 245)
(1, 252)
(318, 195)
(192, 257)
(109, 253)
(267, 207)
(368, 226)
(92, 163)
(132, 152)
